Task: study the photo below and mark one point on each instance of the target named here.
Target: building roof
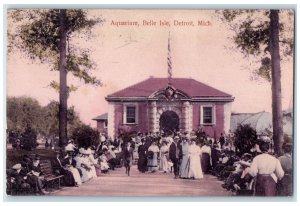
(261, 122)
(101, 117)
(189, 86)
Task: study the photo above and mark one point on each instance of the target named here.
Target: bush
(245, 139)
(85, 136)
(28, 139)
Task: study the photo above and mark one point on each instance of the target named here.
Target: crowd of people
(259, 173)
(76, 165)
(188, 156)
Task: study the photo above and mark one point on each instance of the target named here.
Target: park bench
(49, 177)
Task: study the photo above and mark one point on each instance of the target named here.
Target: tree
(264, 38)
(23, 112)
(26, 112)
(63, 98)
(46, 35)
(51, 119)
(245, 139)
(85, 136)
(28, 139)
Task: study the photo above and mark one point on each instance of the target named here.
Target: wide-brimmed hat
(81, 150)
(69, 148)
(17, 166)
(102, 139)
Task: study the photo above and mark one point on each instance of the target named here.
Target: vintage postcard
(150, 102)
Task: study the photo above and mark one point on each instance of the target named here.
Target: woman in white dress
(83, 165)
(152, 159)
(164, 152)
(69, 165)
(184, 167)
(195, 170)
(92, 162)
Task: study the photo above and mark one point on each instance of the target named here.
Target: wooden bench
(47, 170)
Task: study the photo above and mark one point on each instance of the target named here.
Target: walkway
(116, 183)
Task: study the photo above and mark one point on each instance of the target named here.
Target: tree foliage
(26, 112)
(49, 35)
(23, 112)
(245, 139)
(267, 36)
(36, 34)
(85, 136)
(51, 117)
(251, 35)
(28, 139)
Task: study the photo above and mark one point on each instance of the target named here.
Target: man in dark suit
(128, 157)
(35, 176)
(174, 153)
(18, 179)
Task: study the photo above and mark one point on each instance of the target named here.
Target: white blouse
(266, 164)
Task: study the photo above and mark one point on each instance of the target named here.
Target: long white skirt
(163, 165)
(75, 174)
(86, 175)
(93, 171)
(184, 167)
(195, 170)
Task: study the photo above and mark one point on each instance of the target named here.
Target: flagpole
(169, 61)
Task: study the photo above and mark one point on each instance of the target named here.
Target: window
(207, 115)
(130, 114)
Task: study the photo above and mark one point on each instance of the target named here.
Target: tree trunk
(63, 106)
(276, 82)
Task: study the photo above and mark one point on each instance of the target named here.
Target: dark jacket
(18, 178)
(128, 154)
(173, 150)
(67, 162)
(56, 164)
(35, 168)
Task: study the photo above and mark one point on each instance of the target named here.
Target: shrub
(85, 136)
(28, 139)
(245, 139)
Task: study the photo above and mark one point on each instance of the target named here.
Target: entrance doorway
(169, 122)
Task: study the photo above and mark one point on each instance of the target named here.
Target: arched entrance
(169, 122)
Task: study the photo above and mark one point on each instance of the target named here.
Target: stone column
(190, 118)
(153, 117)
(227, 115)
(111, 120)
(186, 116)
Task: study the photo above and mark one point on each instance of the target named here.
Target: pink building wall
(211, 130)
(101, 126)
(143, 119)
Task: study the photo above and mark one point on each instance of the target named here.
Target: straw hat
(17, 167)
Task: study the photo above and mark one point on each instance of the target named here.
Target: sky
(129, 54)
